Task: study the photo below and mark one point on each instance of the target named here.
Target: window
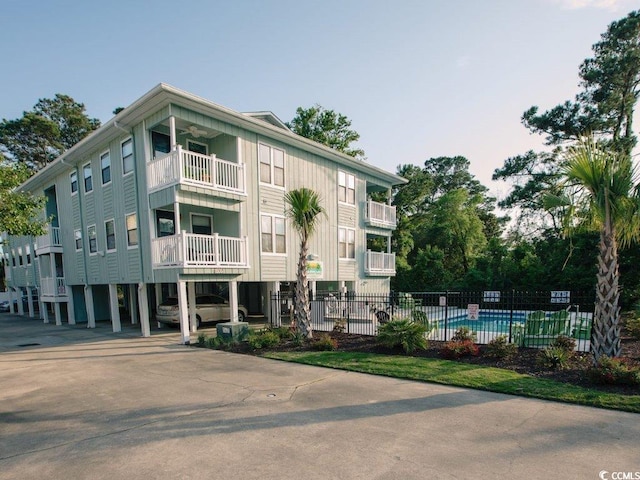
(93, 239)
(73, 177)
(271, 165)
(161, 144)
(274, 237)
(132, 230)
(197, 147)
(105, 164)
(110, 230)
(28, 252)
(201, 224)
(88, 178)
(127, 156)
(77, 234)
(346, 243)
(165, 225)
(346, 188)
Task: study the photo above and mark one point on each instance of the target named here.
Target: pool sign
(559, 296)
(491, 296)
(443, 301)
(314, 270)
(473, 311)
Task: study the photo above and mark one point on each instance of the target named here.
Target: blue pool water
(487, 321)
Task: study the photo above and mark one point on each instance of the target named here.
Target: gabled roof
(268, 117)
(163, 95)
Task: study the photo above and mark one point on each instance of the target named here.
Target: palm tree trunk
(303, 308)
(605, 337)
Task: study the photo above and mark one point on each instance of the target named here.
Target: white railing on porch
(380, 214)
(184, 167)
(190, 249)
(50, 239)
(53, 287)
(379, 263)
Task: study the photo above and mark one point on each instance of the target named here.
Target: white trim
(106, 236)
(101, 156)
(133, 157)
(75, 240)
(192, 214)
(126, 229)
(355, 242)
(89, 239)
(206, 147)
(346, 187)
(273, 253)
(272, 167)
(84, 179)
(75, 172)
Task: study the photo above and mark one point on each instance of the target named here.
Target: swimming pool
(497, 322)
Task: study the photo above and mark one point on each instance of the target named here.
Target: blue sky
(418, 79)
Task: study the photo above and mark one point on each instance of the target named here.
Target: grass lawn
(463, 375)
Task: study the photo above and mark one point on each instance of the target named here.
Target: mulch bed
(524, 362)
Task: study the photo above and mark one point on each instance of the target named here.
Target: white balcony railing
(50, 239)
(379, 263)
(184, 167)
(193, 250)
(379, 214)
(53, 287)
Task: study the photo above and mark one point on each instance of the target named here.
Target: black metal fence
(529, 319)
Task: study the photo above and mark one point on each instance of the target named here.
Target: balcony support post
(191, 294)
(133, 311)
(91, 313)
(184, 314)
(113, 304)
(143, 304)
(172, 132)
(233, 300)
(58, 313)
(71, 310)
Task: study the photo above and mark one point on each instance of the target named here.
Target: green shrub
(325, 343)
(499, 347)
(213, 342)
(555, 358)
(418, 316)
(282, 332)
(202, 338)
(403, 333)
(263, 339)
(565, 343)
(614, 371)
(459, 348)
(633, 327)
(297, 337)
(464, 334)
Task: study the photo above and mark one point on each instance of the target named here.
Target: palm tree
(304, 210)
(605, 199)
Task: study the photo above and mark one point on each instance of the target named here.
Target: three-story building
(179, 196)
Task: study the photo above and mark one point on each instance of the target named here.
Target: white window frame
(347, 231)
(77, 235)
(137, 229)
(204, 215)
(274, 235)
(125, 157)
(106, 235)
(84, 177)
(71, 181)
(272, 167)
(105, 155)
(206, 147)
(95, 237)
(345, 185)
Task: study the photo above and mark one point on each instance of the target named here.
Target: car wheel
(241, 316)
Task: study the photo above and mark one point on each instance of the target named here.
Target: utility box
(232, 331)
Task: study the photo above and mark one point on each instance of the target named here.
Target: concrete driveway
(94, 404)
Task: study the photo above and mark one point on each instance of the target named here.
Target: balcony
(53, 287)
(380, 215)
(50, 242)
(193, 250)
(182, 167)
(380, 264)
